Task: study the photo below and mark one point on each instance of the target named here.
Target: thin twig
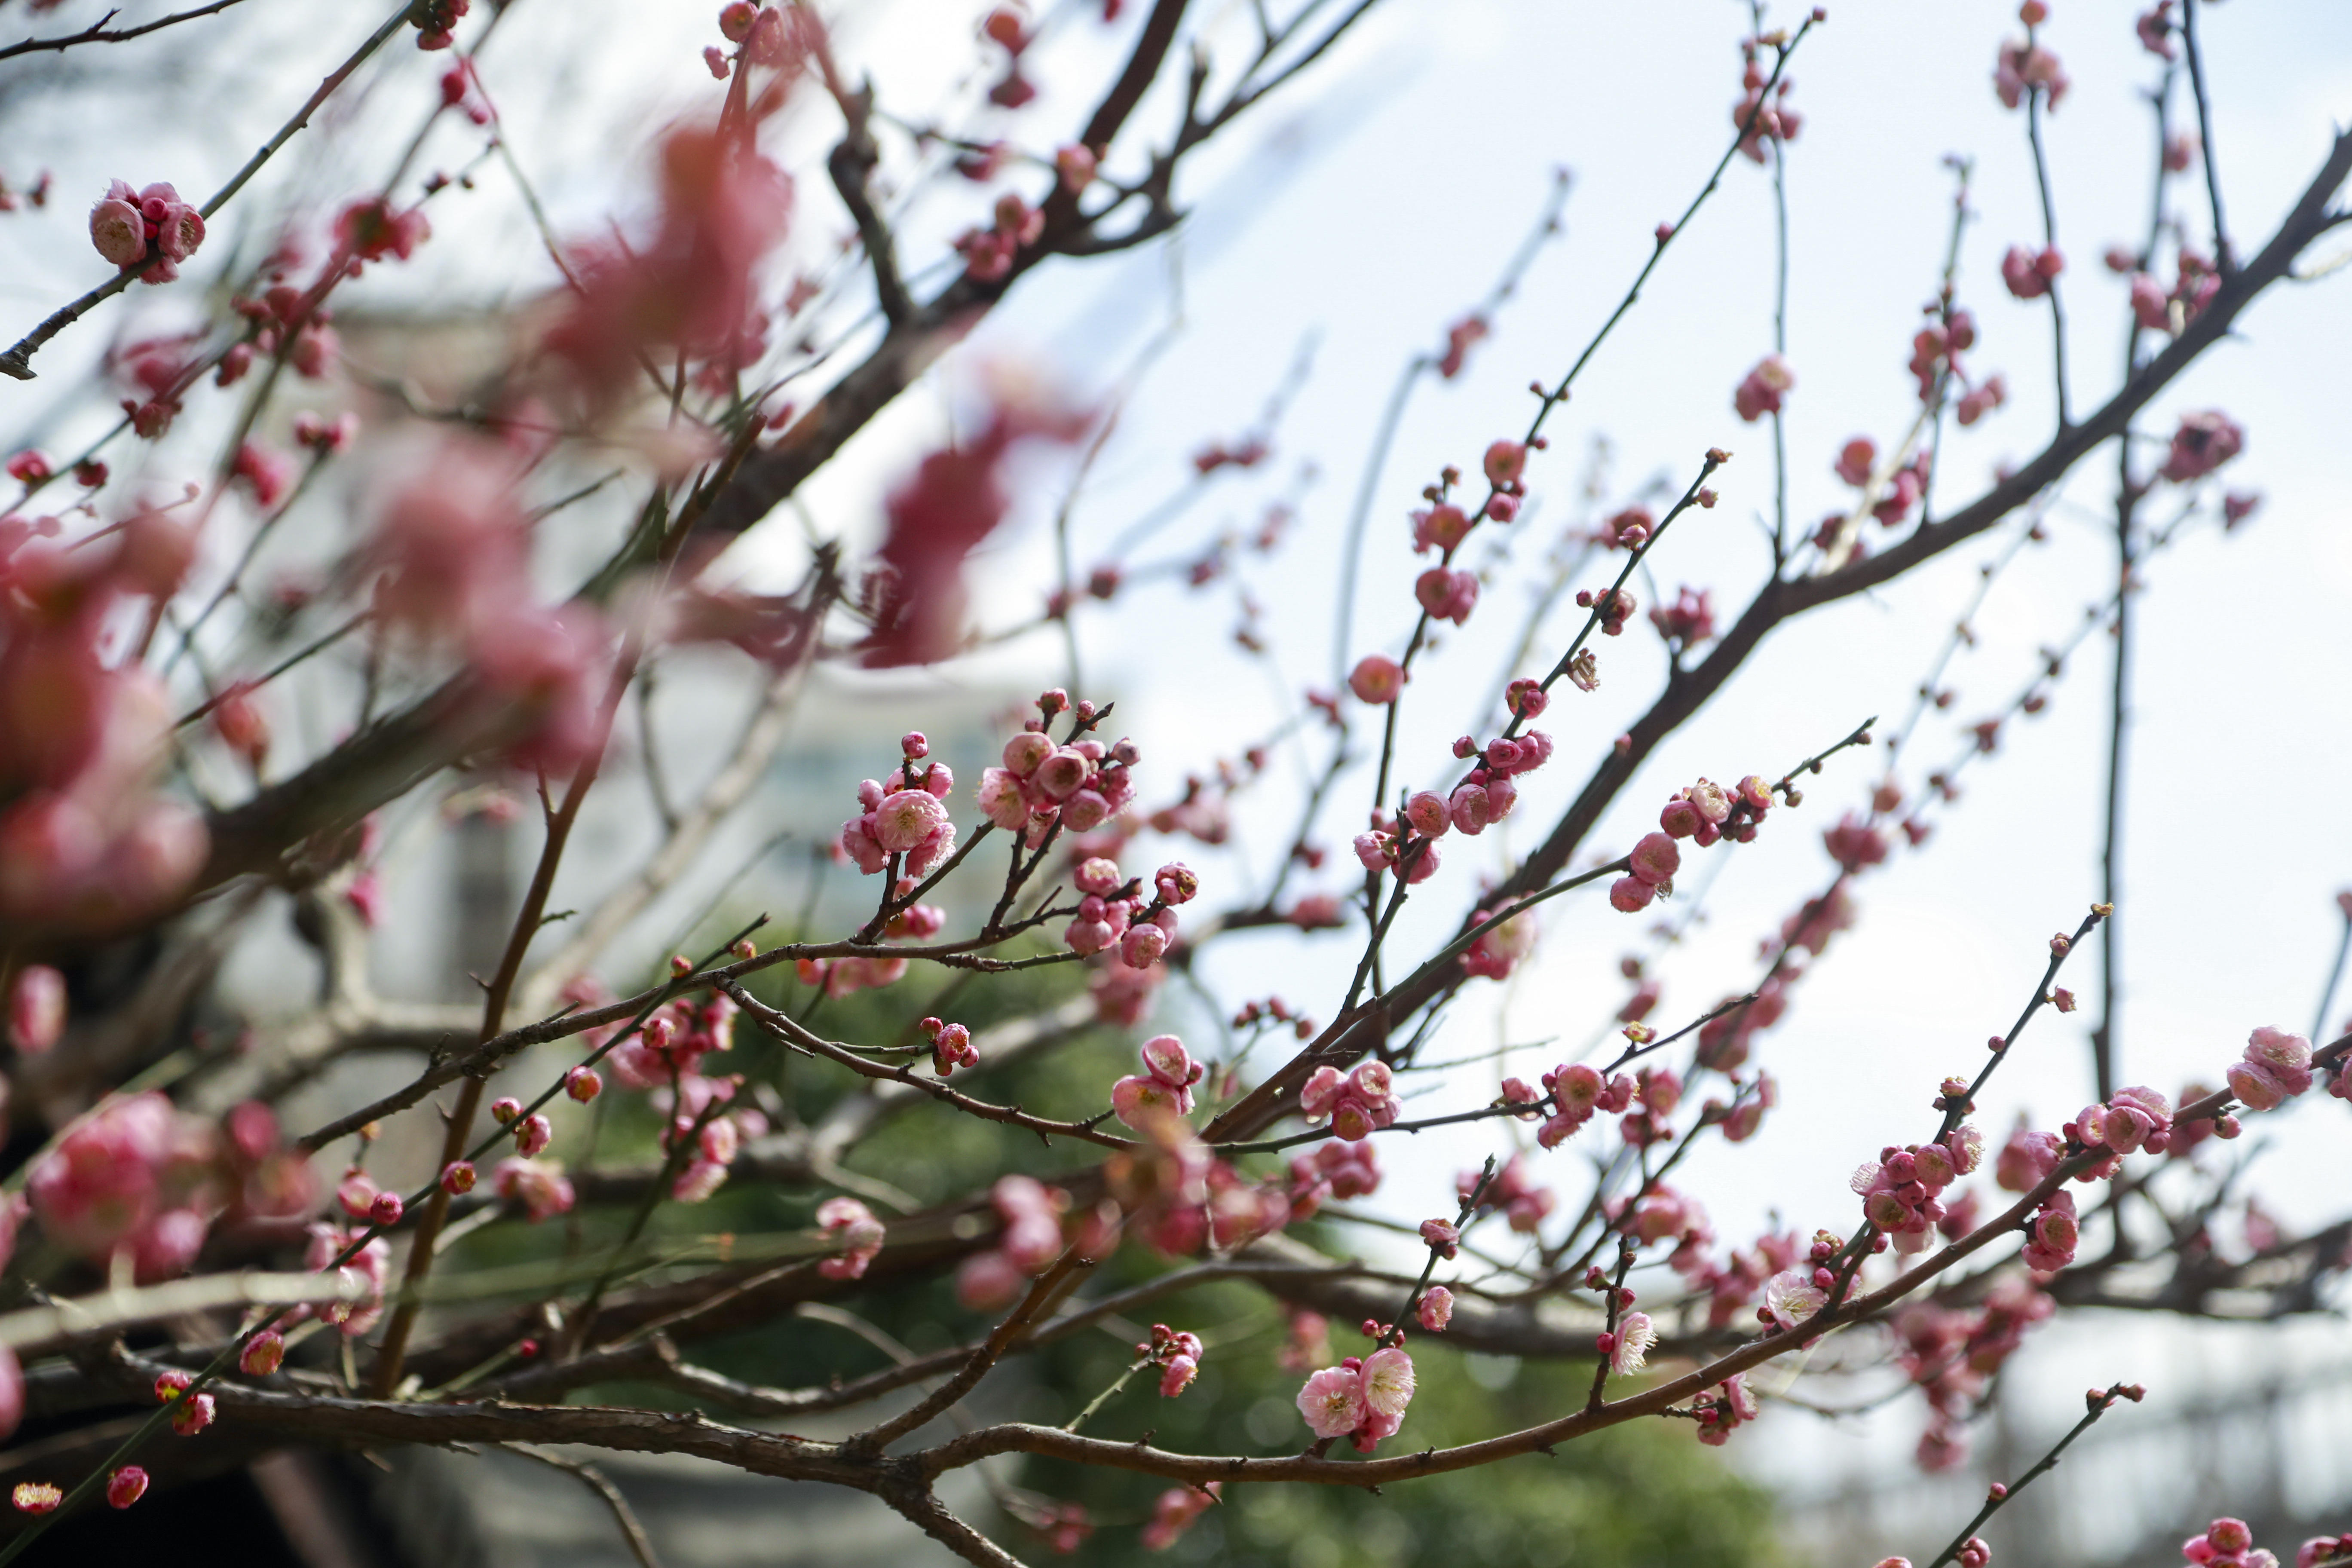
(641, 1546)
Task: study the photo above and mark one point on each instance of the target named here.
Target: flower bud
(262, 1354)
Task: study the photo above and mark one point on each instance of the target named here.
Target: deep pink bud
(37, 1009)
(125, 1487)
(1377, 680)
(1656, 860)
(1630, 894)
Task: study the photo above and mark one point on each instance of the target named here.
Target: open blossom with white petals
(1792, 1297)
(1635, 1335)
(1333, 1401)
(1389, 1381)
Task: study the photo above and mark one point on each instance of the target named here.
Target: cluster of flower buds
(673, 1042)
(2162, 309)
(2027, 1157)
(1690, 619)
(2203, 443)
(1706, 811)
(913, 922)
(531, 1133)
(1363, 1398)
(1616, 606)
(1236, 1213)
(2137, 1118)
(359, 1280)
(1657, 1090)
(850, 1227)
(2024, 67)
(1764, 389)
(1274, 1009)
(1164, 1087)
(2227, 1543)
(1497, 951)
(196, 1410)
(1951, 1353)
(1666, 1216)
(144, 1181)
(2323, 1551)
(281, 313)
(1577, 1091)
(1416, 859)
(1446, 594)
(1460, 339)
(370, 230)
(2276, 1068)
(1440, 527)
(2053, 1234)
(952, 1045)
(1113, 913)
(1358, 1104)
(435, 21)
(1123, 995)
(1008, 26)
(1524, 1204)
(1176, 1353)
(905, 814)
(763, 35)
(1338, 1168)
(989, 253)
(1485, 796)
(716, 1117)
(1307, 1343)
(1080, 783)
(1652, 866)
(1757, 119)
(1031, 1216)
(130, 226)
(1732, 1406)
(1732, 1285)
(1900, 1189)
(1936, 347)
(538, 1187)
(1627, 529)
(2030, 273)
(360, 1198)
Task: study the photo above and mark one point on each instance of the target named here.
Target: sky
(1355, 216)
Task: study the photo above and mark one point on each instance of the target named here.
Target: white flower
(1792, 1297)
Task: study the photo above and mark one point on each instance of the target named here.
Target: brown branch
(1047, 1288)
(1688, 689)
(17, 361)
(789, 1030)
(1052, 1442)
(460, 1131)
(98, 33)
